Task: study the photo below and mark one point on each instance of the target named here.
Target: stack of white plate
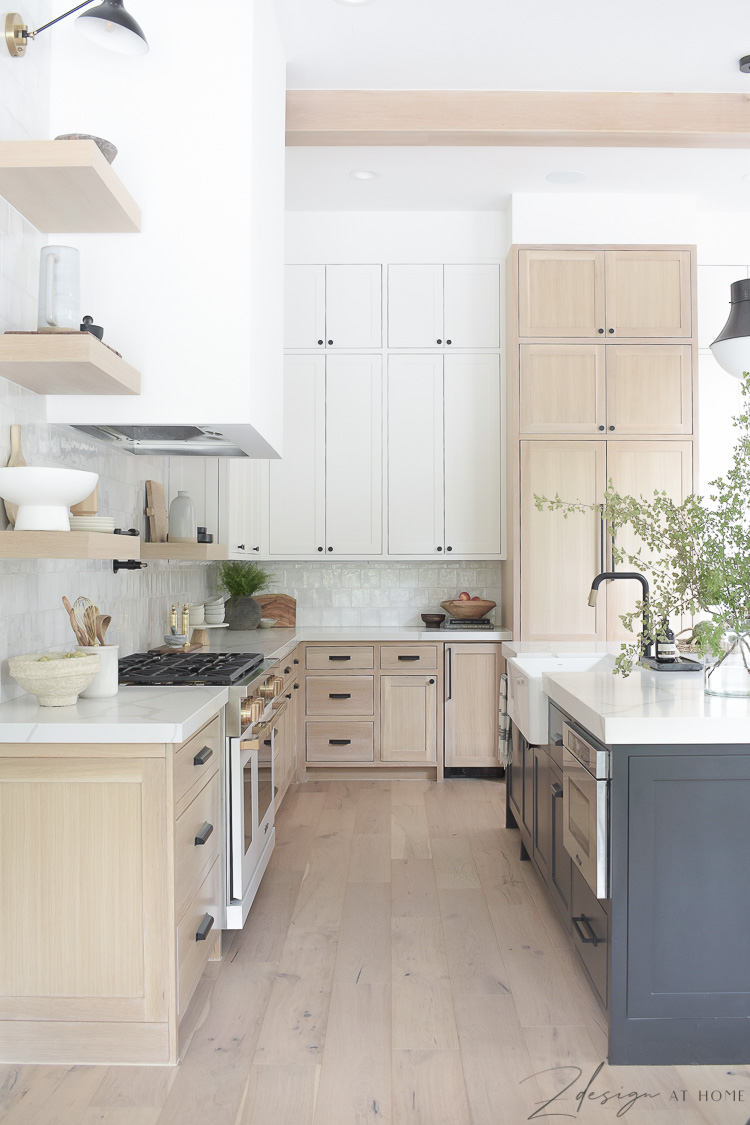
(104, 524)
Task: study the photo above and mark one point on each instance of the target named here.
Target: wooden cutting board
(16, 459)
(281, 607)
(156, 510)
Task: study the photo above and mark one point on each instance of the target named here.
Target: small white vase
(105, 684)
(182, 525)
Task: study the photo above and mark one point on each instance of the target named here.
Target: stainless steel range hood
(165, 441)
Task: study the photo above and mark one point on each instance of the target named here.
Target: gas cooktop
(191, 668)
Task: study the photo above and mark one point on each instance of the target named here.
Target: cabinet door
(415, 455)
(527, 804)
(415, 306)
(472, 698)
(561, 556)
(305, 307)
(514, 774)
(471, 304)
(639, 468)
(297, 481)
(353, 306)
(542, 835)
(408, 718)
(648, 293)
(560, 862)
(242, 507)
(561, 293)
(649, 389)
(562, 389)
(473, 472)
(354, 441)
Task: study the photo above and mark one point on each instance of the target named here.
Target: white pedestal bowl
(43, 496)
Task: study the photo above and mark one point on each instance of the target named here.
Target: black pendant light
(731, 348)
(108, 24)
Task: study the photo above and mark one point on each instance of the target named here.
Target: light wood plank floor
(400, 965)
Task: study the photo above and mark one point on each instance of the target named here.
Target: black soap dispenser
(666, 647)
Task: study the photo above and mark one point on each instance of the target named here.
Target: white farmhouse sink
(527, 702)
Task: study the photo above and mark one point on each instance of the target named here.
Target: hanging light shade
(111, 26)
(731, 347)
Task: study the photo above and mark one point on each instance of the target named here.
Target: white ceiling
(512, 45)
(468, 179)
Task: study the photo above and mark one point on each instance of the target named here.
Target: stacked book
(468, 623)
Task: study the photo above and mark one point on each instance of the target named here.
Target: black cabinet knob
(449, 341)
(602, 427)
(439, 341)
(449, 548)
(320, 341)
(330, 548)
(329, 343)
(430, 681)
(611, 331)
(601, 331)
(440, 548)
(611, 427)
(320, 548)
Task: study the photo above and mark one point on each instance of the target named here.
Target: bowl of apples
(471, 608)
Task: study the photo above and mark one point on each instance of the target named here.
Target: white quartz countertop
(276, 643)
(135, 714)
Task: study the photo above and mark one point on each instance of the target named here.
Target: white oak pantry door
(561, 293)
(648, 293)
(415, 306)
(297, 481)
(305, 307)
(473, 471)
(562, 389)
(354, 442)
(415, 455)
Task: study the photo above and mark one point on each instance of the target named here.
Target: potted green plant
(242, 580)
(697, 557)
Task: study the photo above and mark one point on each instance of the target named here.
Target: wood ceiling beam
(494, 117)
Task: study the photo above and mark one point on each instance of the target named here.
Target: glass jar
(729, 673)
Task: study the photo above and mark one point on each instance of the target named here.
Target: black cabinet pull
(289, 694)
(202, 756)
(339, 741)
(256, 548)
(203, 833)
(240, 546)
(582, 920)
(557, 789)
(339, 657)
(266, 741)
(339, 695)
(558, 742)
(205, 928)
(409, 657)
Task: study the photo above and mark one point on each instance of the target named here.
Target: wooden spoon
(103, 622)
(16, 459)
(89, 622)
(79, 635)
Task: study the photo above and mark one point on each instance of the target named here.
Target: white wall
(194, 302)
(723, 242)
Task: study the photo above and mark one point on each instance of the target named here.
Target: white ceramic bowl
(266, 622)
(43, 495)
(58, 681)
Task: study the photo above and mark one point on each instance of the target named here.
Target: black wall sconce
(108, 24)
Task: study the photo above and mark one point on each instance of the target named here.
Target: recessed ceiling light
(566, 177)
(364, 174)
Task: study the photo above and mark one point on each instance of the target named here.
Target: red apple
(464, 596)
(476, 598)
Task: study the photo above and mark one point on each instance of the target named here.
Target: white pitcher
(59, 288)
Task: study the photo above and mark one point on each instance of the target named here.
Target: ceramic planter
(243, 613)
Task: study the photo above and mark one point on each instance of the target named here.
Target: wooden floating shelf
(66, 187)
(65, 363)
(67, 545)
(202, 552)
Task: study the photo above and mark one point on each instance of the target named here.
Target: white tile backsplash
(379, 593)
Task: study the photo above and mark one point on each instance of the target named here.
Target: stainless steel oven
(586, 773)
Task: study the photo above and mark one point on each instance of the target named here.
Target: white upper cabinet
(354, 307)
(333, 307)
(434, 306)
(416, 522)
(243, 512)
(471, 301)
(354, 442)
(305, 307)
(473, 472)
(297, 481)
(415, 306)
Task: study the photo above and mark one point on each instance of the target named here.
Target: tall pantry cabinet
(602, 376)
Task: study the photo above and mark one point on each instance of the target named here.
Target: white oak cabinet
(408, 718)
(450, 306)
(562, 556)
(620, 293)
(472, 686)
(325, 493)
(593, 388)
(443, 460)
(333, 306)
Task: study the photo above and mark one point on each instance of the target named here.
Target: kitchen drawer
(590, 921)
(339, 656)
(329, 696)
(193, 954)
(197, 758)
(407, 658)
(340, 742)
(193, 859)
